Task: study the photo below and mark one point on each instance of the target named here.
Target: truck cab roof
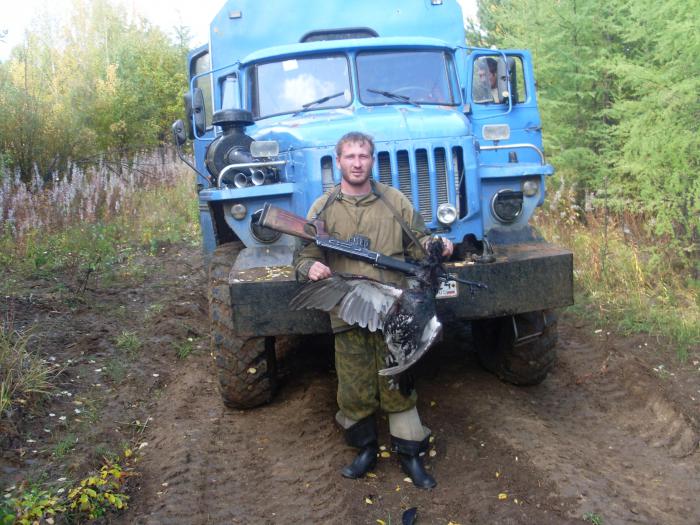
(341, 45)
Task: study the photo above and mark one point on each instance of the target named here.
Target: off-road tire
(527, 363)
(246, 365)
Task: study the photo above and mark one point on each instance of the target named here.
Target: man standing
(362, 206)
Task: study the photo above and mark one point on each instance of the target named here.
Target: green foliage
(98, 494)
(619, 101)
(94, 87)
(627, 283)
(94, 496)
(25, 378)
(92, 247)
(593, 518)
(30, 507)
(184, 349)
(128, 342)
(64, 445)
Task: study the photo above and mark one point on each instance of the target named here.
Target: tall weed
(85, 221)
(25, 377)
(625, 277)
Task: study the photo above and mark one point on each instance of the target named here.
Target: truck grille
(410, 172)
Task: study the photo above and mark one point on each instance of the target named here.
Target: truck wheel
(525, 361)
(247, 365)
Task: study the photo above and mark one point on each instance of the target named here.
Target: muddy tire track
(604, 434)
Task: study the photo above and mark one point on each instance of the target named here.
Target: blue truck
(456, 128)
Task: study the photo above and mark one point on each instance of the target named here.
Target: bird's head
(432, 270)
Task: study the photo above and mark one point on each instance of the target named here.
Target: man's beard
(348, 178)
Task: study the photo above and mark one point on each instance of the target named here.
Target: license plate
(448, 289)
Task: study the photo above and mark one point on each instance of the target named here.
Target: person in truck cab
(486, 86)
(359, 205)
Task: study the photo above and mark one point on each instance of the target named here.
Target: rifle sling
(336, 194)
(400, 220)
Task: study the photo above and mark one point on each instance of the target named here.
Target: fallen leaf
(498, 474)
(385, 454)
(432, 453)
(371, 475)
(381, 522)
(503, 496)
(369, 501)
(252, 370)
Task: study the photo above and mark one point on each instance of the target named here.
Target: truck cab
(456, 129)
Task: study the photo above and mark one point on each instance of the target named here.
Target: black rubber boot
(411, 461)
(362, 435)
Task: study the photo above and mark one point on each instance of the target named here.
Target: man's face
(355, 163)
(492, 79)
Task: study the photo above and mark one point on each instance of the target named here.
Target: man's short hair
(354, 137)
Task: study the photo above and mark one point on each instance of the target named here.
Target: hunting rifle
(357, 247)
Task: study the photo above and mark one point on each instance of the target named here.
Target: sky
(196, 14)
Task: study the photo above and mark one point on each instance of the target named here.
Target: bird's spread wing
(367, 303)
(360, 301)
(320, 295)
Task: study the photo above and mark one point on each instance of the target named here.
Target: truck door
(503, 106)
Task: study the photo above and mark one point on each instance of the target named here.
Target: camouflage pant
(359, 355)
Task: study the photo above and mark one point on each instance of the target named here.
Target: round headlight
(238, 211)
(507, 205)
(446, 214)
(261, 233)
(531, 187)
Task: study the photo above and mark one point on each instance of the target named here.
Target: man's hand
(319, 271)
(447, 246)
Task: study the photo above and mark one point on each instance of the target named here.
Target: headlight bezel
(500, 206)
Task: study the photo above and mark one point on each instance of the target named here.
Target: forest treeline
(618, 86)
(619, 91)
(98, 86)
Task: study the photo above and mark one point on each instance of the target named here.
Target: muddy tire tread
(246, 365)
(527, 364)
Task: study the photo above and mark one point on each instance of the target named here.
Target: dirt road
(611, 435)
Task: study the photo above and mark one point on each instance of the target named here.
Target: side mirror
(502, 76)
(507, 81)
(198, 112)
(179, 134)
(188, 116)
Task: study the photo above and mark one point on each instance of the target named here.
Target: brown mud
(612, 433)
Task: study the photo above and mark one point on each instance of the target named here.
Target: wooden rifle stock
(279, 219)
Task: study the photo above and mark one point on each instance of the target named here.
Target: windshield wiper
(309, 105)
(395, 96)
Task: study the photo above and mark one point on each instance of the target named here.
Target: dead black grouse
(406, 317)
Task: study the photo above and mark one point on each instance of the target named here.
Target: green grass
(128, 342)
(184, 349)
(636, 285)
(105, 248)
(25, 378)
(64, 445)
(115, 370)
(593, 518)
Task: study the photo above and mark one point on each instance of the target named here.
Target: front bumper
(525, 277)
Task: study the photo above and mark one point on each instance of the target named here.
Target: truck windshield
(404, 77)
(299, 84)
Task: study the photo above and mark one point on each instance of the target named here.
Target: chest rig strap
(336, 195)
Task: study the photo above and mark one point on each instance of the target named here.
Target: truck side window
(489, 82)
(299, 84)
